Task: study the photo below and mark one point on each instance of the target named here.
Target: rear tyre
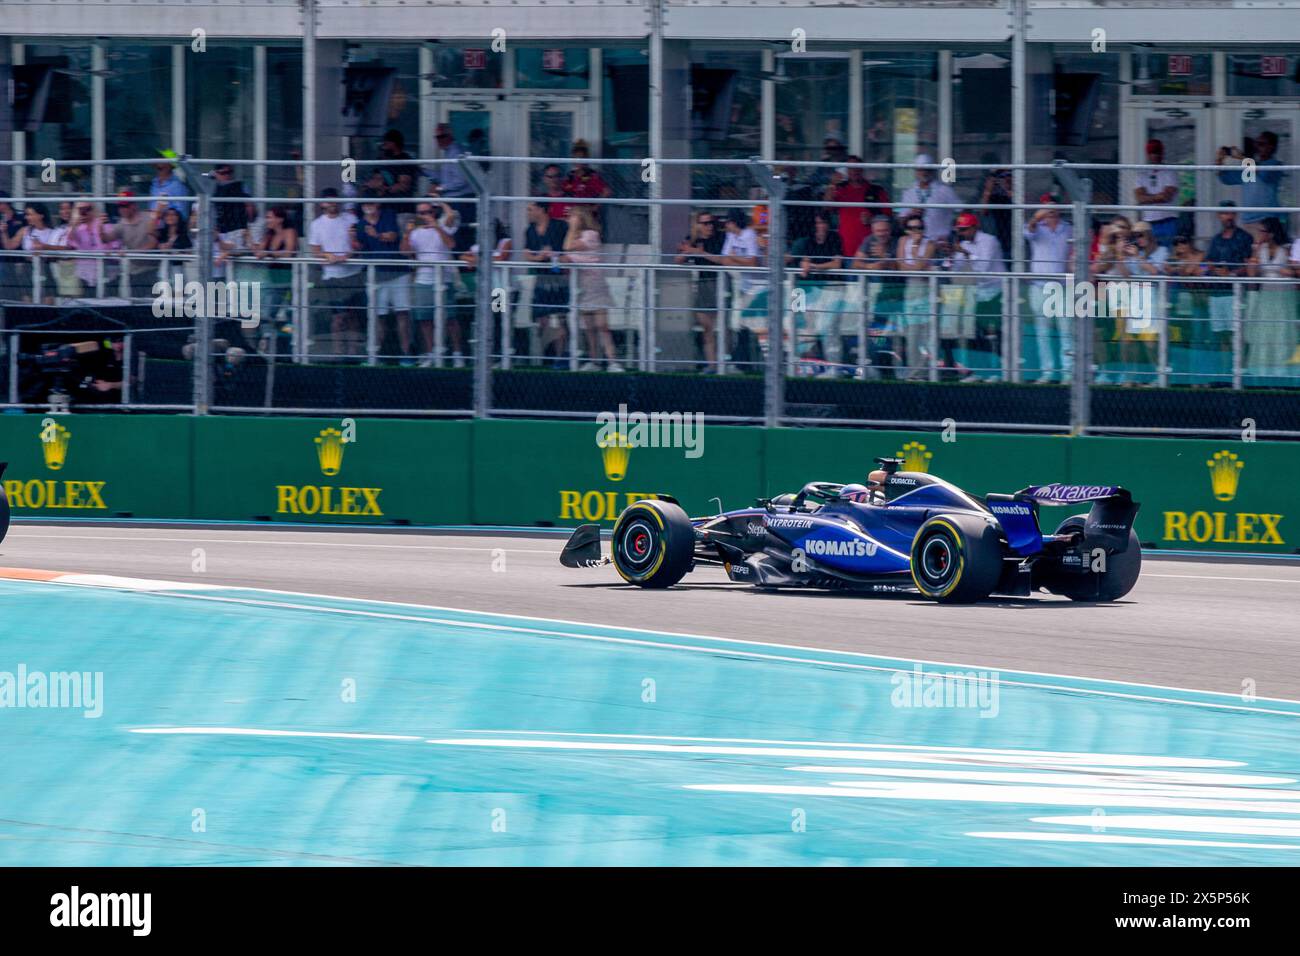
(956, 559)
(1122, 570)
(653, 544)
(4, 513)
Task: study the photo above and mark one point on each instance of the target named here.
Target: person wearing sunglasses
(701, 248)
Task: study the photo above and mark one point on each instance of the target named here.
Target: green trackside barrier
(1195, 494)
(363, 470)
(555, 473)
(1202, 495)
(98, 466)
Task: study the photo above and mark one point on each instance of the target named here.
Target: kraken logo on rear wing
(1058, 494)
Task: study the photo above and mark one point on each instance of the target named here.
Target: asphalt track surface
(1187, 624)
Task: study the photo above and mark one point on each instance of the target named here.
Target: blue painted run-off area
(475, 738)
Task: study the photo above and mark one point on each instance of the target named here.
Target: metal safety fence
(750, 291)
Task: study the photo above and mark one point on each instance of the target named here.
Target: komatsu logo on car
(789, 522)
(847, 549)
(1010, 509)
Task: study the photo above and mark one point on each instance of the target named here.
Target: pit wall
(1195, 494)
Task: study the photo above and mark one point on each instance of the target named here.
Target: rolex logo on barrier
(615, 451)
(330, 500)
(329, 450)
(1224, 527)
(614, 454)
(54, 444)
(1225, 472)
(47, 493)
(915, 457)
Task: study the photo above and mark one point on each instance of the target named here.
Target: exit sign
(475, 59)
(1272, 66)
(1180, 64)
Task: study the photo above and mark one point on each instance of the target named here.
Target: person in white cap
(928, 189)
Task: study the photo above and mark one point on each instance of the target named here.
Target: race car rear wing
(1109, 520)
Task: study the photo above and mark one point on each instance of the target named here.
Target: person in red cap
(135, 232)
(1158, 187)
(971, 324)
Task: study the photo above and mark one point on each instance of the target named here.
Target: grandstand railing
(934, 326)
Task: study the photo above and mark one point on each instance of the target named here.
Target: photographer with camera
(1261, 189)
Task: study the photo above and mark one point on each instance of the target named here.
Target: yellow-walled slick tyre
(653, 544)
(956, 559)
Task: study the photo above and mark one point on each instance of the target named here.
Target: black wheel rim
(938, 561)
(638, 544)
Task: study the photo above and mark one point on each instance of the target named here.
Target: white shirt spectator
(333, 234)
(50, 237)
(430, 247)
(745, 244)
(1156, 181)
(938, 222)
(1049, 249)
(1295, 252)
(983, 254)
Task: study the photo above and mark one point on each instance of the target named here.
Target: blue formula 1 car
(902, 530)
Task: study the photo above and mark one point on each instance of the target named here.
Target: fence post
(203, 187)
(774, 373)
(477, 174)
(1079, 190)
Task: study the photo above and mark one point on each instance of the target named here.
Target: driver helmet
(858, 493)
(876, 480)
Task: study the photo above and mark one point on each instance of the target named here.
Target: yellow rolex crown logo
(614, 453)
(1225, 472)
(915, 457)
(329, 449)
(54, 444)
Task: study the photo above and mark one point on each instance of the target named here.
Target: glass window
(219, 102)
(1073, 109)
(981, 107)
(64, 134)
(981, 134)
(1264, 75)
(625, 125)
(284, 119)
(560, 68)
(402, 112)
(812, 105)
(1172, 74)
(726, 116)
(901, 110)
(462, 68)
(138, 115)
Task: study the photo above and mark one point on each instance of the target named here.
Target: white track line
(299, 542)
(735, 641)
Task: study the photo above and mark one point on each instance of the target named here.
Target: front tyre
(653, 544)
(956, 559)
(1122, 570)
(4, 511)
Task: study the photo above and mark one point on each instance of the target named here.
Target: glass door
(1186, 136)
